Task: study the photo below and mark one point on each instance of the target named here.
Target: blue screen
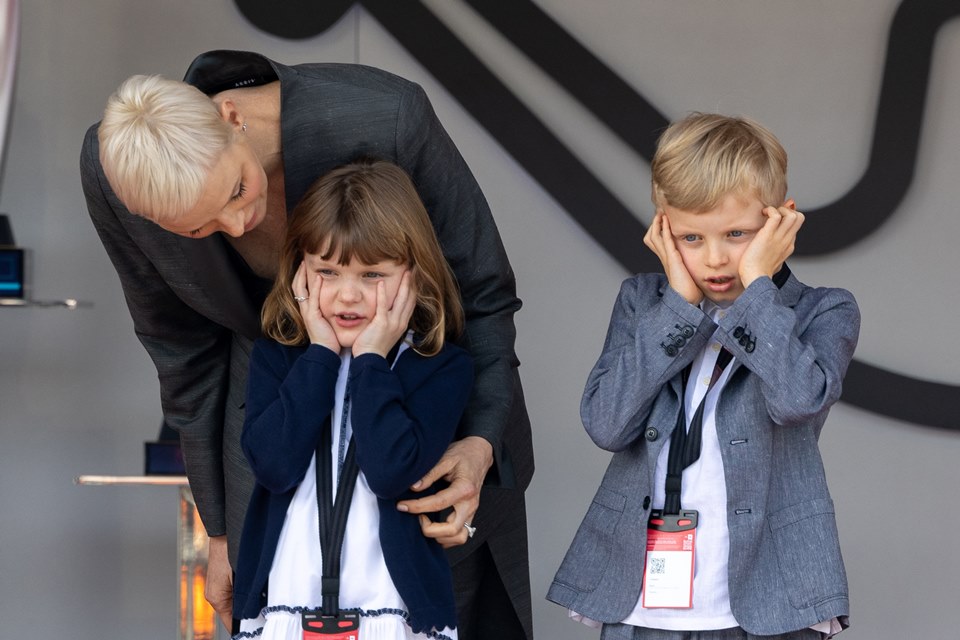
(11, 273)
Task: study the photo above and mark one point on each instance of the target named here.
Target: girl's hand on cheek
(390, 322)
(306, 291)
(659, 239)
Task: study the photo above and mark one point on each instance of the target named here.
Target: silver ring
(470, 530)
(301, 298)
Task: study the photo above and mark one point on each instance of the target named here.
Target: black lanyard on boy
(685, 445)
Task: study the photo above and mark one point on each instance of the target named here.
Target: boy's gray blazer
(791, 347)
(197, 314)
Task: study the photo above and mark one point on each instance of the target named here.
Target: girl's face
(348, 293)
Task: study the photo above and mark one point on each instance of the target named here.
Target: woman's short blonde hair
(159, 139)
(705, 157)
(368, 210)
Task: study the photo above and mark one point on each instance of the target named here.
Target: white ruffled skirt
(282, 624)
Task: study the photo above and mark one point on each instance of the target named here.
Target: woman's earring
(243, 127)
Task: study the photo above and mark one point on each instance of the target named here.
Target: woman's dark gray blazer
(196, 307)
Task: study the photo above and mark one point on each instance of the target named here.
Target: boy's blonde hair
(704, 157)
(368, 210)
(159, 139)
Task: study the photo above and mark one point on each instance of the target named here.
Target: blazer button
(651, 434)
(670, 350)
(738, 332)
(686, 330)
(750, 346)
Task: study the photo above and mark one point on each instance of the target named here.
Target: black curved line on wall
(861, 211)
(896, 134)
(574, 67)
(584, 197)
(517, 129)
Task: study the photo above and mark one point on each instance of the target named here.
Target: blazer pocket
(808, 551)
(586, 560)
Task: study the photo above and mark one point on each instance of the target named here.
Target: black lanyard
(333, 514)
(685, 446)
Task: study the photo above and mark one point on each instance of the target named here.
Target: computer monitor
(11, 273)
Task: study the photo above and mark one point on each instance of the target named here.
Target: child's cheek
(709, 295)
(688, 257)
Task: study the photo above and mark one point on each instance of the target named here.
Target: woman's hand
(660, 240)
(218, 590)
(464, 465)
(389, 322)
(306, 291)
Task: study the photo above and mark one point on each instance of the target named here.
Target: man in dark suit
(195, 269)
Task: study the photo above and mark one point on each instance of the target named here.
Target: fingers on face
(382, 306)
(407, 295)
(784, 219)
(315, 284)
(799, 218)
(652, 230)
(299, 284)
(658, 234)
(666, 232)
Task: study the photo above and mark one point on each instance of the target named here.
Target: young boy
(713, 385)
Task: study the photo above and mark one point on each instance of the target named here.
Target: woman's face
(234, 198)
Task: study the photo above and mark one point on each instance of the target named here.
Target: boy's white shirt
(705, 490)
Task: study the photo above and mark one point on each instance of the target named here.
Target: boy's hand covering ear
(773, 244)
(660, 240)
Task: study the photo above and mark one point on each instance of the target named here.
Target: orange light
(198, 620)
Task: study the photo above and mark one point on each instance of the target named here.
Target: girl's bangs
(342, 239)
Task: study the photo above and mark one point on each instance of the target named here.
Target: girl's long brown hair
(368, 210)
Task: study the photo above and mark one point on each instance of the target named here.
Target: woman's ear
(230, 114)
(789, 203)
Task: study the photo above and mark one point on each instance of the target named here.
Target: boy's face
(713, 242)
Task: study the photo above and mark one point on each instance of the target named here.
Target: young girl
(357, 391)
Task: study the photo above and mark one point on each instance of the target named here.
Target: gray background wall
(78, 394)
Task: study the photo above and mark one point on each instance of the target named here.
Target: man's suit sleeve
(190, 352)
(472, 246)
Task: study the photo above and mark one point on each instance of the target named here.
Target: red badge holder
(669, 563)
(342, 626)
